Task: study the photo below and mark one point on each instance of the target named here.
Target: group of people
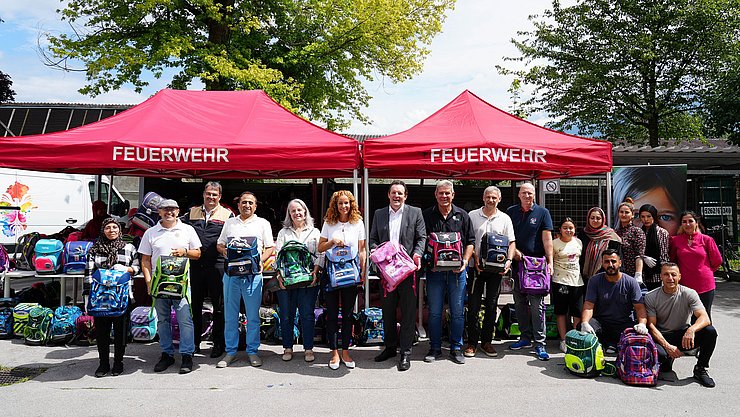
(597, 277)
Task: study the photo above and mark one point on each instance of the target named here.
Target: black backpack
(24, 251)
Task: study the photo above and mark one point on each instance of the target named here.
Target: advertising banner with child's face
(663, 186)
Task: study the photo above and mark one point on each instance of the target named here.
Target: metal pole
(366, 215)
(110, 192)
(354, 184)
(608, 195)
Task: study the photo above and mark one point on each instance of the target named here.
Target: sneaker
(541, 353)
(701, 375)
(117, 368)
(563, 346)
(187, 364)
(610, 350)
(521, 344)
(255, 361)
(457, 356)
(309, 356)
(226, 361)
(432, 355)
(489, 350)
(470, 351)
(164, 362)
(287, 354)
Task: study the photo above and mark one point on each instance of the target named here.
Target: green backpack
(583, 355)
(38, 328)
(171, 278)
(294, 263)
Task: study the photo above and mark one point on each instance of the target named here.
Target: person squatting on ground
(111, 252)
(533, 230)
(487, 219)
(170, 237)
(206, 273)
(247, 226)
(404, 225)
(669, 312)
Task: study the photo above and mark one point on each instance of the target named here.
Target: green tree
(635, 70)
(6, 92)
(309, 55)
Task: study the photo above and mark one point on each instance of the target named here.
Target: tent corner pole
(366, 214)
(608, 197)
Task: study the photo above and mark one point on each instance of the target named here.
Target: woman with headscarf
(111, 252)
(656, 246)
(596, 238)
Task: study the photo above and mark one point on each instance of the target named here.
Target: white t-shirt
(350, 233)
(565, 256)
(252, 227)
(158, 240)
(499, 223)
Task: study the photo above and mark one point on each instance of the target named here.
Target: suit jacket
(412, 235)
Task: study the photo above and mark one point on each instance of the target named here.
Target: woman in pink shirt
(697, 257)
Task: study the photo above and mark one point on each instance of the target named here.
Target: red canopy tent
(175, 133)
(471, 139)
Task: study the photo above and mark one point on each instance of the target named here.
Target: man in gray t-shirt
(669, 311)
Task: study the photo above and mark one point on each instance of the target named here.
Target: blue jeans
(251, 291)
(305, 300)
(184, 320)
(454, 284)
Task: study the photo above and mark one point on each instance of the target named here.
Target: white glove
(638, 277)
(640, 328)
(119, 267)
(649, 261)
(586, 328)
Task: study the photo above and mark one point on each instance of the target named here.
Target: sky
(475, 37)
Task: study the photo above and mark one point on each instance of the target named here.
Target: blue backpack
(278, 332)
(63, 325)
(494, 249)
(143, 324)
(243, 257)
(108, 293)
(48, 257)
(75, 256)
(371, 320)
(342, 267)
(6, 317)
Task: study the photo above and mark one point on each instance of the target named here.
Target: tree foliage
(6, 92)
(642, 71)
(309, 55)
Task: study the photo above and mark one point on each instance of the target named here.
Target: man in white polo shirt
(174, 238)
(249, 287)
(487, 219)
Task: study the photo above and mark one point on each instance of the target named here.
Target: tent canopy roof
(471, 139)
(208, 134)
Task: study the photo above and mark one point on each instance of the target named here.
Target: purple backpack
(4, 259)
(534, 277)
(637, 359)
(393, 263)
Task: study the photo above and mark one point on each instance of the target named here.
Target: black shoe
(433, 355)
(701, 375)
(187, 364)
(197, 349)
(457, 356)
(386, 354)
(102, 370)
(164, 362)
(217, 351)
(117, 368)
(405, 362)
(667, 366)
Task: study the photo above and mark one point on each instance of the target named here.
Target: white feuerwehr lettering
(152, 154)
(460, 155)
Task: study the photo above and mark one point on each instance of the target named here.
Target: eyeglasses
(211, 194)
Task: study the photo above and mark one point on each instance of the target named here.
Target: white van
(48, 202)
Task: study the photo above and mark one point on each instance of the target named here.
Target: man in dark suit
(403, 224)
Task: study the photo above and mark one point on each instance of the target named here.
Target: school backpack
(85, 333)
(109, 293)
(342, 268)
(294, 263)
(170, 278)
(48, 256)
(507, 326)
(75, 256)
(206, 323)
(6, 317)
(243, 257)
(583, 354)
(371, 322)
(174, 326)
(24, 251)
(551, 322)
(393, 263)
(319, 332)
(4, 259)
(38, 328)
(444, 251)
(267, 317)
(20, 317)
(147, 215)
(63, 325)
(143, 324)
(534, 277)
(637, 358)
(494, 250)
(277, 332)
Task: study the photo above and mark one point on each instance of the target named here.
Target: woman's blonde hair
(332, 213)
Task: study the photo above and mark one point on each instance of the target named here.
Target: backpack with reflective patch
(494, 249)
(371, 320)
(243, 257)
(583, 354)
(20, 317)
(171, 278)
(534, 277)
(48, 256)
(294, 263)
(109, 293)
(342, 267)
(75, 256)
(38, 329)
(445, 251)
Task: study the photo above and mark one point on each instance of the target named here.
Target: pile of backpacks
(47, 255)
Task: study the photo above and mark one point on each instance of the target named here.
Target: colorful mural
(14, 222)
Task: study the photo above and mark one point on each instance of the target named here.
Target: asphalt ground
(512, 384)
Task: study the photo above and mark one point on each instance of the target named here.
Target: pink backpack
(393, 263)
(445, 251)
(637, 359)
